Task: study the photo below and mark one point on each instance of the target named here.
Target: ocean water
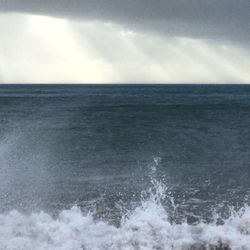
(124, 167)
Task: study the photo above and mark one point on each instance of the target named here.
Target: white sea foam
(147, 227)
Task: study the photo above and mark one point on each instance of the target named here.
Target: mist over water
(124, 166)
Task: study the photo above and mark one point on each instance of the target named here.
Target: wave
(148, 227)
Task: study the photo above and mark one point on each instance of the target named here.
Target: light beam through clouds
(39, 49)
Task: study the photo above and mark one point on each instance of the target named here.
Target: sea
(124, 167)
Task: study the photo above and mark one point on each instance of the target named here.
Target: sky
(124, 41)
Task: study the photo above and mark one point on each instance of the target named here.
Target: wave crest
(148, 227)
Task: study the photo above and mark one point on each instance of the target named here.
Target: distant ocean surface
(124, 167)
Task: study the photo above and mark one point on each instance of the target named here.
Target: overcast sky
(119, 41)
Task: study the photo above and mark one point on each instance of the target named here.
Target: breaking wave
(148, 227)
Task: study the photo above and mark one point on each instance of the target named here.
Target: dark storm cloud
(215, 19)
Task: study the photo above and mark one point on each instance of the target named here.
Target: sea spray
(148, 227)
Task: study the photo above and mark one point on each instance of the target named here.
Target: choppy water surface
(124, 166)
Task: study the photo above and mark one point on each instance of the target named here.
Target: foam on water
(146, 227)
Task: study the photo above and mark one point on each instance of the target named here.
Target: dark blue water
(100, 146)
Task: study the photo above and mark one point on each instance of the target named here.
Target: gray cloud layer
(215, 19)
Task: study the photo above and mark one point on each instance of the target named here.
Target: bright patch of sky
(42, 49)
